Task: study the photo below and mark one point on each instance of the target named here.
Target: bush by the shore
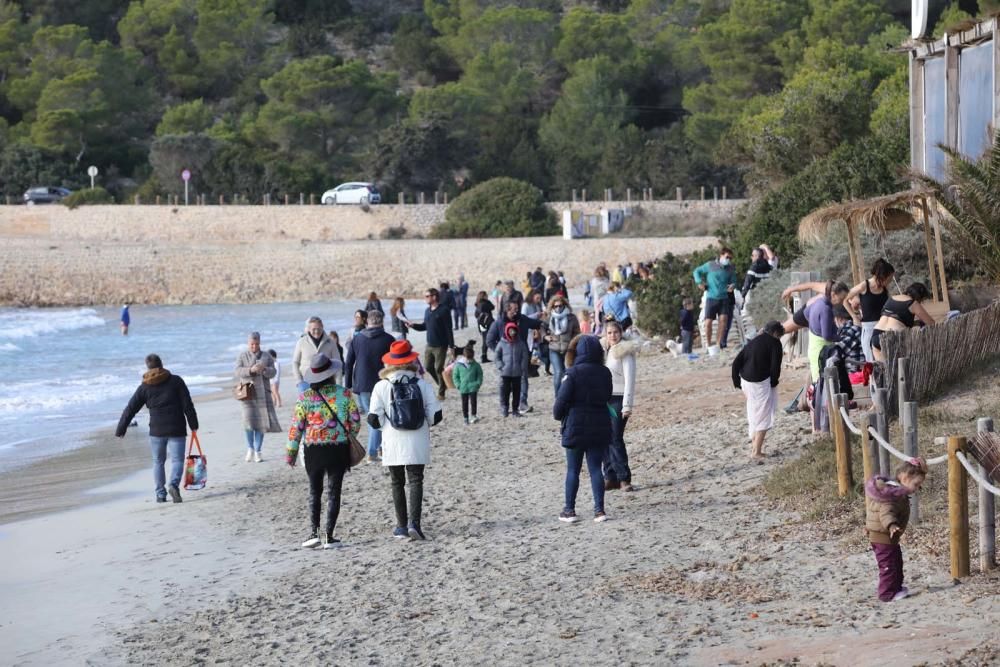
(96, 195)
(659, 298)
(501, 207)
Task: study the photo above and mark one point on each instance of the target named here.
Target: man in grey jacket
(364, 361)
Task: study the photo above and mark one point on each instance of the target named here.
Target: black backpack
(407, 413)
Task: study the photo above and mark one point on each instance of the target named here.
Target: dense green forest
(279, 96)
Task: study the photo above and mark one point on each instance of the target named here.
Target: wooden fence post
(958, 509)
(628, 196)
(882, 426)
(302, 199)
(437, 197)
(845, 475)
(680, 194)
(574, 195)
(908, 419)
(312, 199)
(137, 201)
(987, 512)
(402, 199)
(902, 386)
(724, 192)
(583, 196)
(703, 193)
(445, 198)
(715, 193)
(869, 448)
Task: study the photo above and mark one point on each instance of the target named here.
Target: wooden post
(628, 196)
(852, 247)
(437, 197)
(137, 202)
(715, 193)
(222, 200)
(312, 199)
(157, 200)
(987, 513)
(6, 200)
(422, 200)
(574, 195)
(724, 193)
(901, 386)
(583, 196)
(402, 199)
(958, 510)
(879, 397)
(445, 198)
(302, 199)
(929, 246)
(845, 475)
(703, 193)
(869, 448)
(908, 420)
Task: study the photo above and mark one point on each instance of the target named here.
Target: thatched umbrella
(879, 215)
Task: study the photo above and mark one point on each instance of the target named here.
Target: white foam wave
(53, 396)
(30, 322)
(205, 379)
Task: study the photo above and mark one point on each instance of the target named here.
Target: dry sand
(689, 570)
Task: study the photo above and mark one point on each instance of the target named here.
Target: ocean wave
(205, 379)
(30, 322)
(54, 395)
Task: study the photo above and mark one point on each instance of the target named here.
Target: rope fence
(975, 474)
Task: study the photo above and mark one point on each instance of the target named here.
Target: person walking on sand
(276, 383)
(717, 279)
(616, 305)
(313, 341)
(511, 358)
(404, 407)
(620, 361)
(582, 407)
(563, 327)
(126, 319)
(887, 511)
(461, 303)
(525, 327)
(756, 370)
(484, 318)
(440, 338)
(259, 416)
(364, 361)
(510, 294)
(169, 403)
(468, 377)
(324, 416)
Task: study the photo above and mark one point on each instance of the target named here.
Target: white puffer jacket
(399, 447)
(621, 362)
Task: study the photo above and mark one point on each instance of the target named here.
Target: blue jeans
(616, 462)
(374, 434)
(686, 337)
(159, 447)
(574, 463)
(255, 440)
(558, 362)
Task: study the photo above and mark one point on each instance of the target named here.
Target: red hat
(400, 352)
(510, 330)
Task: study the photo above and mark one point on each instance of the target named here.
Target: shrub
(91, 196)
(659, 299)
(501, 207)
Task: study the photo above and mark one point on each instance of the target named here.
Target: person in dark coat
(756, 370)
(364, 361)
(440, 337)
(169, 403)
(582, 407)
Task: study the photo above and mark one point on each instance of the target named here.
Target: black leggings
(510, 394)
(467, 401)
(330, 462)
(399, 476)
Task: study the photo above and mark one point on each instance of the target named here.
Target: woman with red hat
(404, 406)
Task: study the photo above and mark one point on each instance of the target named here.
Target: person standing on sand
(620, 361)
(468, 376)
(126, 319)
(259, 416)
(887, 511)
(311, 343)
(756, 370)
(440, 338)
(461, 303)
(563, 327)
(405, 417)
(484, 318)
(399, 320)
(510, 294)
(169, 403)
(582, 407)
(324, 415)
(616, 305)
(373, 303)
(525, 325)
(717, 279)
(276, 384)
(511, 358)
(364, 361)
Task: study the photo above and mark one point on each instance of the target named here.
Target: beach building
(954, 90)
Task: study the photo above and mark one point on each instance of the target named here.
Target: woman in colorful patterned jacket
(324, 414)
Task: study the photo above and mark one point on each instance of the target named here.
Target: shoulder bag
(357, 450)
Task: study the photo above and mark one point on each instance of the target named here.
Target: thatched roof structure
(875, 216)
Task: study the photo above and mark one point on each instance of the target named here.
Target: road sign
(186, 175)
(92, 171)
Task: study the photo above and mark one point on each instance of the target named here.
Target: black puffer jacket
(169, 402)
(582, 403)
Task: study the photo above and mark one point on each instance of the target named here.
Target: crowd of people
(378, 379)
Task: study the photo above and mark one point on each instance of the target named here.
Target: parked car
(352, 193)
(45, 195)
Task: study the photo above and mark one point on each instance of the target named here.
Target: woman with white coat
(404, 406)
(620, 361)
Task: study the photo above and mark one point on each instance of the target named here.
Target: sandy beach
(693, 568)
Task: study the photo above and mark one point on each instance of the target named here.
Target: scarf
(559, 322)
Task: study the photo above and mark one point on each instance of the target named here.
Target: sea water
(66, 373)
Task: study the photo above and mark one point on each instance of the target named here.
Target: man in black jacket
(364, 361)
(169, 402)
(525, 324)
(756, 370)
(440, 338)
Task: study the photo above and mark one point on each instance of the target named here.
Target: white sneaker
(249, 456)
(903, 592)
(257, 458)
(312, 542)
(473, 419)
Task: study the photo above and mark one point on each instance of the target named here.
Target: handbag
(357, 451)
(195, 466)
(243, 391)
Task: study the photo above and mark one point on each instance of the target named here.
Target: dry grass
(643, 223)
